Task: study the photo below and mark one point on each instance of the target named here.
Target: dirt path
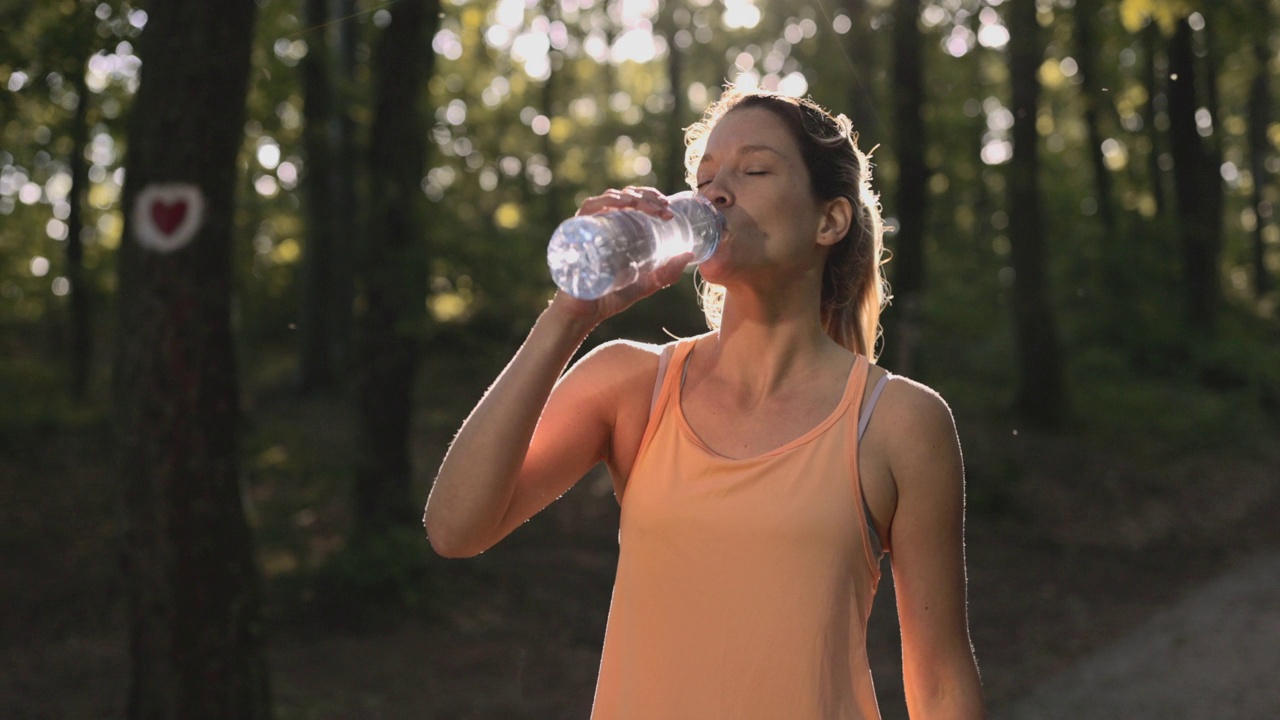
(1214, 654)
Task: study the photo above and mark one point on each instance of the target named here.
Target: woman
(754, 508)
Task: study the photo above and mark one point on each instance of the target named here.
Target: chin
(713, 269)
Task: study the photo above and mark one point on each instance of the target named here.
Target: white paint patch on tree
(167, 216)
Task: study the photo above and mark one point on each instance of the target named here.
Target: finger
(650, 200)
(644, 199)
(666, 275)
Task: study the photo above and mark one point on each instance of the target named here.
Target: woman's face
(753, 171)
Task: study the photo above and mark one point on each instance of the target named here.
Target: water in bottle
(593, 255)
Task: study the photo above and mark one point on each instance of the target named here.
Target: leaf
(1135, 14)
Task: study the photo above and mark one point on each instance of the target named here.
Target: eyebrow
(746, 150)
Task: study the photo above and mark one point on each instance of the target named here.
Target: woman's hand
(592, 312)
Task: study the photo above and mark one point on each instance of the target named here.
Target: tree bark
(396, 268)
(858, 47)
(195, 634)
(551, 108)
(80, 302)
(316, 307)
(911, 197)
(671, 175)
(347, 172)
(1259, 119)
(1095, 104)
(1197, 186)
(1041, 389)
(1154, 78)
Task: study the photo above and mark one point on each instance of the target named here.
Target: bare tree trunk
(395, 274)
(550, 108)
(1260, 116)
(1197, 186)
(1041, 393)
(348, 229)
(671, 177)
(911, 197)
(316, 309)
(1095, 105)
(1153, 78)
(195, 630)
(858, 47)
(81, 319)
(983, 204)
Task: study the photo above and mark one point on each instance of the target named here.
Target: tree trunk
(316, 306)
(550, 108)
(911, 196)
(1154, 79)
(1095, 104)
(983, 204)
(81, 320)
(195, 632)
(1041, 397)
(1196, 185)
(1259, 120)
(858, 48)
(671, 175)
(348, 229)
(396, 266)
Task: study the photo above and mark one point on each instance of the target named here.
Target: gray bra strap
(871, 404)
(877, 546)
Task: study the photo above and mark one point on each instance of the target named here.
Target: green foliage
(36, 408)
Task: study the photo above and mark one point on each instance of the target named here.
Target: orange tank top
(743, 586)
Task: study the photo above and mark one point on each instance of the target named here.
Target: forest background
(1084, 245)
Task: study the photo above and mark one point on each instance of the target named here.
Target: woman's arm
(534, 434)
(490, 457)
(940, 674)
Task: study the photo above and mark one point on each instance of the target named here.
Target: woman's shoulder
(910, 406)
(627, 361)
(631, 353)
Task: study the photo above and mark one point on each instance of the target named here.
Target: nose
(717, 193)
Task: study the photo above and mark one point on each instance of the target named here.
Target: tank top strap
(666, 385)
(856, 386)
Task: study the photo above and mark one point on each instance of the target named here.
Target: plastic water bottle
(593, 255)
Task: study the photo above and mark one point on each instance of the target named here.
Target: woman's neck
(764, 341)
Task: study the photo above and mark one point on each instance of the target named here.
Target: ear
(837, 215)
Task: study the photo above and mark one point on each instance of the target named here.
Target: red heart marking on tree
(168, 216)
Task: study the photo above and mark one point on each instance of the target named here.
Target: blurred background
(213, 460)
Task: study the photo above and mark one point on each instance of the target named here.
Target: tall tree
(1260, 115)
(671, 171)
(551, 108)
(1153, 78)
(1041, 392)
(911, 196)
(348, 230)
(316, 318)
(195, 633)
(1197, 183)
(395, 270)
(81, 304)
(860, 53)
(1096, 108)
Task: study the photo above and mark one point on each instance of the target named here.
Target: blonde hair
(854, 289)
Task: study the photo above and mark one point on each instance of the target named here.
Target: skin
(765, 378)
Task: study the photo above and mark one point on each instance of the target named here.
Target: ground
(1072, 543)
